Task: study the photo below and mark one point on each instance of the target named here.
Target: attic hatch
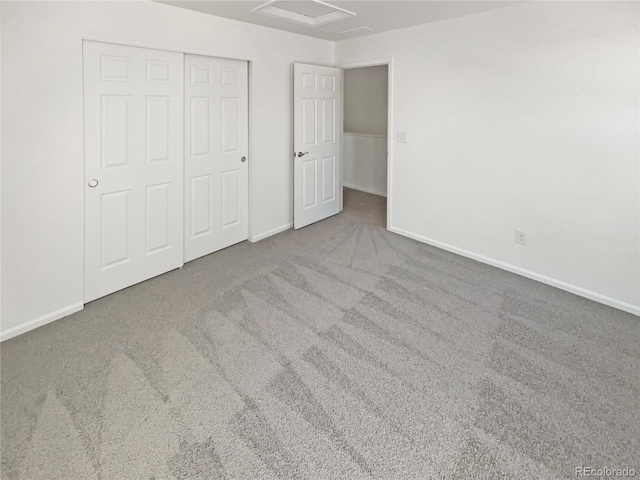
(311, 13)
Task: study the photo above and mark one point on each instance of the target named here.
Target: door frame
(374, 62)
(184, 51)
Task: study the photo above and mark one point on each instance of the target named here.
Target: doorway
(366, 135)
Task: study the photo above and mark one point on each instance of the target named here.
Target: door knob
(243, 159)
(93, 183)
(300, 154)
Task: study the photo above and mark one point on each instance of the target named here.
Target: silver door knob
(300, 154)
(93, 183)
(243, 159)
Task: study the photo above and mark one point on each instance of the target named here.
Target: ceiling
(378, 15)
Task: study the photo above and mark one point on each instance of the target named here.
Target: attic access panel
(311, 13)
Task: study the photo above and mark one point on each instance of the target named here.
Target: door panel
(328, 82)
(309, 181)
(230, 189)
(158, 71)
(115, 231)
(230, 125)
(200, 75)
(158, 125)
(216, 177)
(133, 100)
(308, 121)
(329, 174)
(114, 68)
(201, 203)
(158, 219)
(328, 120)
(116, 130)
(317, 143)
(200, 124)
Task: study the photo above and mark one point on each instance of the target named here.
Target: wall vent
(312, 13)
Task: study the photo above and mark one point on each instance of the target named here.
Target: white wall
(365, 100)
(365, 162)
(522, 117)
(42, 168)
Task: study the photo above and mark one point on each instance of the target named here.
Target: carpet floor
(337, 351)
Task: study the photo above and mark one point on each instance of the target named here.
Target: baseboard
(582, 292)
(363, 189)
(366, 135)
(43, 320)
(269, 233)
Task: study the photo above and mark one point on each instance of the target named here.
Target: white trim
(582, 292)
(388, 61)
(269, 233)
(366, 63)
(341, 138)
(166, 48)
(363, 189)
(43, 320)
(390, 144)
(368, 135)
(250, 185)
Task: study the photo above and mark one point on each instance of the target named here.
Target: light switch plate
(403, 137)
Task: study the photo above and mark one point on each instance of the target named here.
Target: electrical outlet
(403, 137)
(521, 237)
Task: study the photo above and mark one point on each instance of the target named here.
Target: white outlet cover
(403, 137)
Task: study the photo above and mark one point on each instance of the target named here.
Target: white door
(317, 112)
(133, 100)
(216, 150)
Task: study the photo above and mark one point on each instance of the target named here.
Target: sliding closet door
(216, 149)
(133, 104)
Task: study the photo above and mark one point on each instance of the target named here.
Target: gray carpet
(337, 351)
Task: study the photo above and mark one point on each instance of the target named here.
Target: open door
(317, 132)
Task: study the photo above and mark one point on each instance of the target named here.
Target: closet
(166, 170)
